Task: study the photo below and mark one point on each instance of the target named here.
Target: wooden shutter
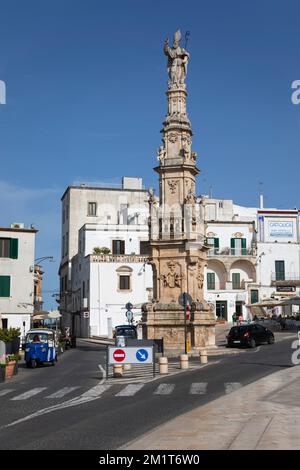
(211, 281)
(244, 246)
(14, 248)
(4, 286)
(236, 281)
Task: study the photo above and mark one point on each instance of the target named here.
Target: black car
(249, 335)
(126, 331)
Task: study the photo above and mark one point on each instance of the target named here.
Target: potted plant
(11, 365)
(101, 251)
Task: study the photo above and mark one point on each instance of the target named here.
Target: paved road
(69, 407)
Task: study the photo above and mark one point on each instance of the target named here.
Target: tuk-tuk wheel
(28, 364)
(53, 363)
(33, 363)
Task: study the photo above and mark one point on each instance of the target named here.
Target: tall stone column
(178, 252)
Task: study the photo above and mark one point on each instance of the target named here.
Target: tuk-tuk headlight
(27, 350)
(43, 349)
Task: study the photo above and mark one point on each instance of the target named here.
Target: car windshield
(125, 332)
(236, 329)
(38, 338)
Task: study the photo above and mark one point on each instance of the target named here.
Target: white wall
(227, 231)
(105, 300)
(98, 236)
(21, 272)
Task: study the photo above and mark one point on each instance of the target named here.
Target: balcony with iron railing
(110, 258)
(231, 252)
(284, 279)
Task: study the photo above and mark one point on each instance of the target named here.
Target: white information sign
(130, 355)
(280, 228)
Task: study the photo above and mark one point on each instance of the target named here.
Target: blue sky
(86, 83)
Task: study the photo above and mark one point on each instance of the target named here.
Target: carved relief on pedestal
(173, 137)
(173, 277)
(173, 185)
(200, 279)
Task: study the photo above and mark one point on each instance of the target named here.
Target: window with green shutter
(238, 246)
(280, 270)
(211, 281)
(254, 296)
(9, 248)
(14, 248)
(236, 280)
(213, 243)
(4, 286)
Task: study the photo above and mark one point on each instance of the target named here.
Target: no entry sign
(130, 355)
(119, 355)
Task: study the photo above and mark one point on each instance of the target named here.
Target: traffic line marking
(61, 393)
(164, 389)
(95, 392)
(6, 391)
(231, 387)
(130, 390)
(199, 388)
(29, 394)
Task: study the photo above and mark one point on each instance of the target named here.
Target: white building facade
(104, 256)
(17, 253)
(254, 255)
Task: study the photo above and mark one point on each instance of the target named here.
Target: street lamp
(43, 258)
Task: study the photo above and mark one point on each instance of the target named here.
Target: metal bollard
(127, 366)
(184, 361)
(118, 370)
(163, 365)
(203, 357)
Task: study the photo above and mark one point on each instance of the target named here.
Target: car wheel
(271, 340)
(252, 343)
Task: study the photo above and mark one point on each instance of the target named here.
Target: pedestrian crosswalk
(129, 390)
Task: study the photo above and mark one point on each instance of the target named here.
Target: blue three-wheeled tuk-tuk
(41, 347)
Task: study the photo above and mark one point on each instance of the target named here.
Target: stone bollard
(184, 361)
(127, 367)
(203, 357)
(163, 365)
(118, 370)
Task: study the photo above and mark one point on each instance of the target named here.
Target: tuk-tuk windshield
(38, 338)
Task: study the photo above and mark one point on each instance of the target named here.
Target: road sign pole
(107, 363)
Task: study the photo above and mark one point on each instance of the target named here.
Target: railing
(119, 258)
(231, 252)
(285, 276)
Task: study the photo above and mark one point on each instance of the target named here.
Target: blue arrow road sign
(142, 355)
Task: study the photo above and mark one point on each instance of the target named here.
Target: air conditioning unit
(17, 225)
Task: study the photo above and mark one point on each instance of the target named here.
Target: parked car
(122, 332)
(249, 335)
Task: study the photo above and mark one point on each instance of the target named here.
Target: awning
(44, 315)
(291, 301)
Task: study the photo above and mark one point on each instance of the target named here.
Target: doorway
(221, 309)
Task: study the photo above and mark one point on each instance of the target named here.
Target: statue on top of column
(177, 61)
